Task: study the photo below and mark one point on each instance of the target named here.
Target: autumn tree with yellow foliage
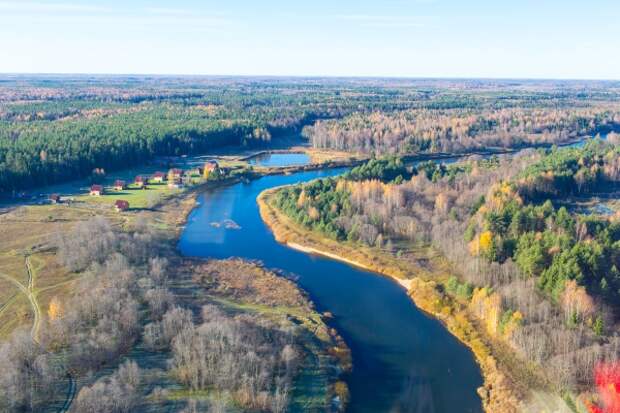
(55, 310)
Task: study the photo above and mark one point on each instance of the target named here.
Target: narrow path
(34, 332)
(33, 302)
(7, 303)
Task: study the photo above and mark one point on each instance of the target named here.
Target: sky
(559, 39)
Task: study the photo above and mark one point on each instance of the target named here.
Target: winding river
(403, 360)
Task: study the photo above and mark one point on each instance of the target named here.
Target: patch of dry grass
(248, 282)
(326, 156)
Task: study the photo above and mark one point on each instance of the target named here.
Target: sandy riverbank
(309, 250)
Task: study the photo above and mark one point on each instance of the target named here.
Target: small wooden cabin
(139, 181)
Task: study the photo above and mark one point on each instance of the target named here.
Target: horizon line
(309, 76)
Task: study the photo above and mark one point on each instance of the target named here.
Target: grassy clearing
(18, 313)
(137, 198)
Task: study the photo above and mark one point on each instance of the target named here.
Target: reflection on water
(403, 360)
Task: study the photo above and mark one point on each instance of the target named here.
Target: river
(403, 360)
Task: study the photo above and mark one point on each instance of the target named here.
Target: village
(145, 190)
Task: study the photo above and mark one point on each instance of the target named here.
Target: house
(158, 177)
(119, 185)
(54, 198)
(175, 174)
(139, 181)
(209, 168)
(96, 190)
(121, 205)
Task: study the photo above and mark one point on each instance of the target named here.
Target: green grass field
(138, 198)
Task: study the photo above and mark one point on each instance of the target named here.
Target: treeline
(459, 130)
(37, 153)
(540, 277)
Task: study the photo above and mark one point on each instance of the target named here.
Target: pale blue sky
(414, 38)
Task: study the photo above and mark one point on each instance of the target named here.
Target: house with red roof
(158, 177)
(139, 181)
(96, 190)
(121, 205)
(175, 174)
(119, 185)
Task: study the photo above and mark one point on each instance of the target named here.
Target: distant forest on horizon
(54, 128)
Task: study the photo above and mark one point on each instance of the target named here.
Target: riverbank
(509, 384)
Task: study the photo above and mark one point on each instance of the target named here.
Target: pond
(280, 159)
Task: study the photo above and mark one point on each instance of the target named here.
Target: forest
(539, 275)
(54, 129)
(461, 130)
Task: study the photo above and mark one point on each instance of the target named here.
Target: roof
(139, 179)
(176, 171)
(96, 188)
(119, 182)
(121, 203)
(159, 174)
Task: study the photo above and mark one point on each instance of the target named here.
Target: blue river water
(403, 360)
